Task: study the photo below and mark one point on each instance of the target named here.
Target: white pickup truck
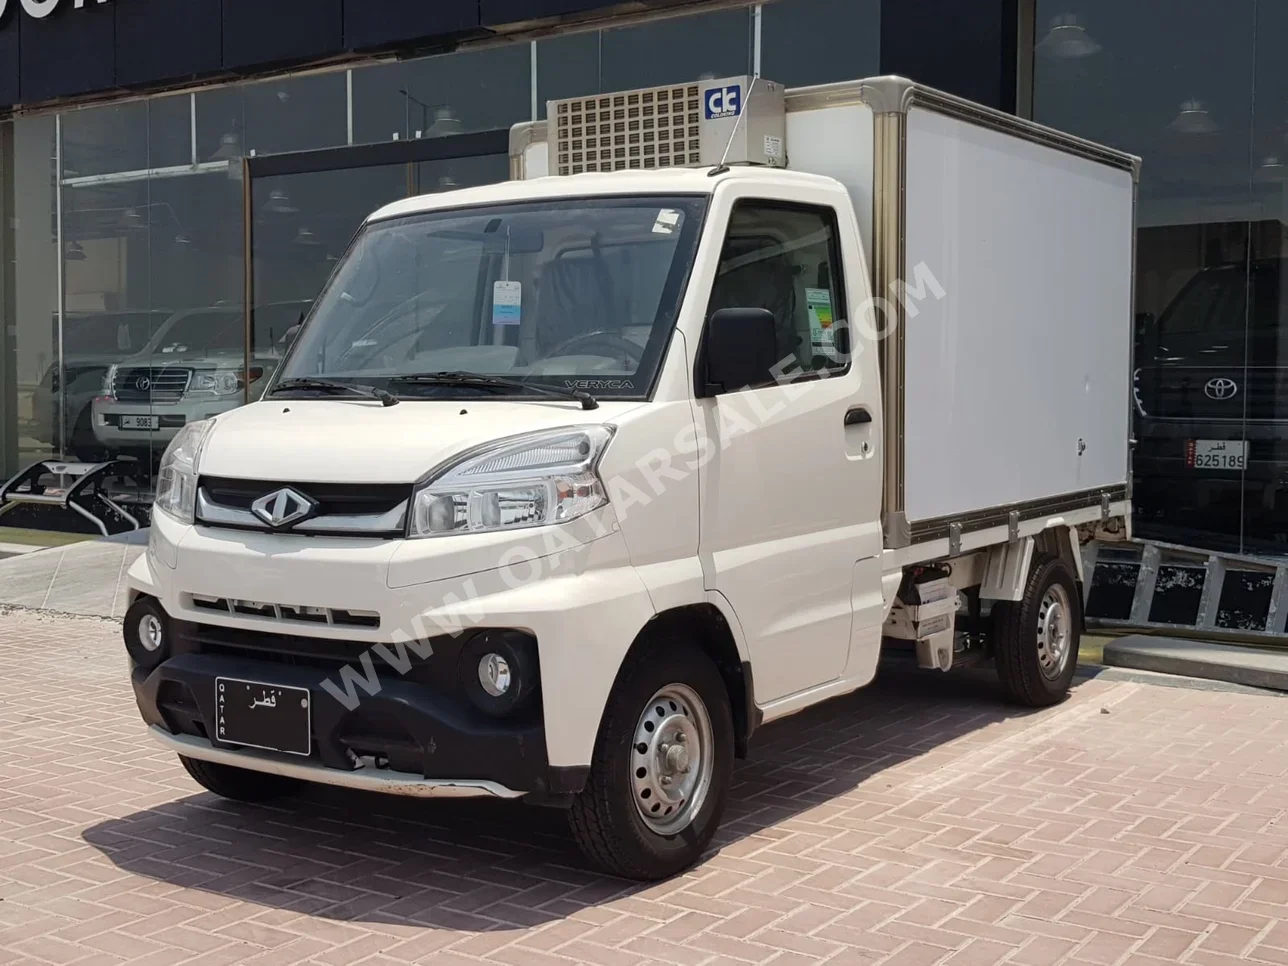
(569, 484)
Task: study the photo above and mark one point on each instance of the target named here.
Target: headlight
(109, 382)
(177, 479)
(532, 480)
(219, 382)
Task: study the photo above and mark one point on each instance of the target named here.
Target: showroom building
(182, 176)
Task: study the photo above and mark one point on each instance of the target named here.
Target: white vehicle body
(990, 428)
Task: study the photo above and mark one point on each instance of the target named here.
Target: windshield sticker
(667, 219)
(507, 303)
(822, 333)
(625, 384)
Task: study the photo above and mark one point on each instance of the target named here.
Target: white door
(791, 498)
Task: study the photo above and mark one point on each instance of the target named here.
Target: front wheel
(1036, 638)
(660, 773)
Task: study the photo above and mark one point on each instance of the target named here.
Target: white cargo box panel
(1017, 378)
(1005, 250)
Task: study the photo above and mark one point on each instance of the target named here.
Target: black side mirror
(741, 349)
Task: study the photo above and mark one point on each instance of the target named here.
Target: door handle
(858, 416)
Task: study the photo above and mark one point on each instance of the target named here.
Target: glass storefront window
(474, 90)
(30, 417)
(716, 44)
(1197, 93)
(819, 41)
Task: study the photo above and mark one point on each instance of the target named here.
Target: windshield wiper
(492, 382)
(327, 385)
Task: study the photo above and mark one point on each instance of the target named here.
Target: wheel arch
(706, 626)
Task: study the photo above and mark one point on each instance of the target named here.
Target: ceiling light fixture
(1067, 39)
(1193, 118)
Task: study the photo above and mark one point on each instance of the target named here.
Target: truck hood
(360, 441)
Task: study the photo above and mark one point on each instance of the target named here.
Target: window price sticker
(507, 303)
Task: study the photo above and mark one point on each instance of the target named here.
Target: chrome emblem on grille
(283, 507)
(143, 384)
(1221, 388)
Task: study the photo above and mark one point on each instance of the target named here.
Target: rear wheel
(660, 773)
(1036, 638)
(239, 784)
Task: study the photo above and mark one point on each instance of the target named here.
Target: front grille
(299, 613)
(151, 384)
(359, 509)
(1259, 393)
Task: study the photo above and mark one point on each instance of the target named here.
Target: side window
(786, 258)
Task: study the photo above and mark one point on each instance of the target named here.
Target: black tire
(604, 818)
(239, 784)
(1017, 650)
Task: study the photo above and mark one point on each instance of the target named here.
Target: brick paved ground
(914, 823)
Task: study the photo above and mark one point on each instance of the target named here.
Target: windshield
(572, 293)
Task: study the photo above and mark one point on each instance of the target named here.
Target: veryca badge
(723, 102)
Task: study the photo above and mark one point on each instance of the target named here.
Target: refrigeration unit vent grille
(654, 127)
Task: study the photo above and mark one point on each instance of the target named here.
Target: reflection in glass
(1067, 39)
(296, 114)
(445, 175)
(1211, 459)
(670, 51)
(303, 223)
(31, 423)
(820, 41)
(476, 90)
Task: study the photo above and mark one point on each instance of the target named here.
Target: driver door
(790, 500)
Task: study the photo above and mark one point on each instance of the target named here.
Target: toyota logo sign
(40, 9)
(1221, 388)
(143, 384)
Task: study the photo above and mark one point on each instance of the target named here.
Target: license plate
(266, 716)
(140, 422)
(1215, 454)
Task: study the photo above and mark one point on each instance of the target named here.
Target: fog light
(494, 674)
(498, 670)
(147, 632)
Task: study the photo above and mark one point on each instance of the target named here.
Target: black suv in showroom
(1211, 400)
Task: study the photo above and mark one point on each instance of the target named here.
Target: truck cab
(568, 484)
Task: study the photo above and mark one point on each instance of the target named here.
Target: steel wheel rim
(672, 759)
(1055, 632)
(150, 632)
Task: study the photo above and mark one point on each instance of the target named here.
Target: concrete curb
(1248, 666)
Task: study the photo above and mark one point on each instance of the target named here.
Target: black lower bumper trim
(406, 725)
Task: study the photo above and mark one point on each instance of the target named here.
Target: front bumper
(417, 734)
(584, 606)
